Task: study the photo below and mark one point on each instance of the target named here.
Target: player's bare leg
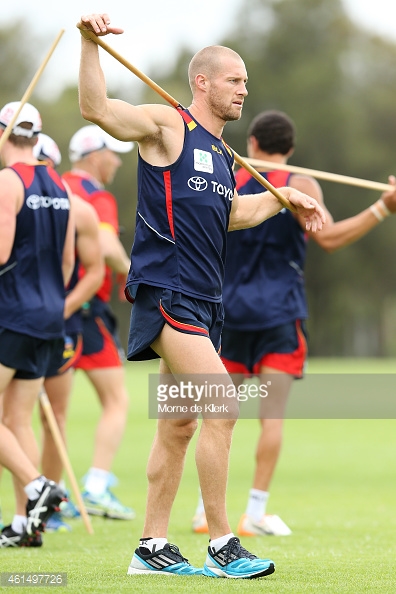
(270, 441)
(186, 354)
(19, 400)
(255, 521)
(10, 457)
(58, 389)
(168, 452)
(109, 384)
(6, 375)
(200, 523)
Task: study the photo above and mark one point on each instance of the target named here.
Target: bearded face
(226, 107)
(227, 90)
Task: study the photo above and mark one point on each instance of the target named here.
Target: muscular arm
(336, 235)
(253, 209)
(157, 128)
(89, 254)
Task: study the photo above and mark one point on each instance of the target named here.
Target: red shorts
(288, 350)
(101, 345)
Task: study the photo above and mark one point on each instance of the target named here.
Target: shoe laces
(234, 550)
(176, 551)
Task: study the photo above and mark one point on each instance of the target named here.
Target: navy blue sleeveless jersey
(31, 282)
(264, 277)
(182, 218)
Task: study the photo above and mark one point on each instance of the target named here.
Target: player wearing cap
(47, 150)
(93, 154)
(36, 262)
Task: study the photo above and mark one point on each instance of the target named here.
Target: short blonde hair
(208, 61)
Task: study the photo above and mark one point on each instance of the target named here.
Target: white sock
(19, 524)
(152, 544)
(96, 481)
(34, 488)
(218, 543)
(200, 506)
(257, 504)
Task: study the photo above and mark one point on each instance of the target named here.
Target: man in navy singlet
(36, 262)
(265, 302)
(186, 204)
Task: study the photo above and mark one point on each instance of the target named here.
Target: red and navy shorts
(154, 307)
(101, 344)
(283, 348)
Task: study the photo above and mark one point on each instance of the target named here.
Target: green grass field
(335, 486)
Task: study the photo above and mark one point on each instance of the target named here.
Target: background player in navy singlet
(265, 302)
(36, 261)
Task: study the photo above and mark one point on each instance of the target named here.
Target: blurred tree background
(338, 83)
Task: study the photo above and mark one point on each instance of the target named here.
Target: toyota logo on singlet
(198, 184)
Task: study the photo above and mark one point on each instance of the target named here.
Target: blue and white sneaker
(166, 561)
(56, 524)
(233, 561)
(107, 505)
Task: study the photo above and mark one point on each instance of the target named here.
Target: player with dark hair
(265, 302)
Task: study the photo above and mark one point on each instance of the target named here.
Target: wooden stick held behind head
(282, 199)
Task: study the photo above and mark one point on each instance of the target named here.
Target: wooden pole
(29, 90)
(56, 434)
(98, 40)
(325, 175)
